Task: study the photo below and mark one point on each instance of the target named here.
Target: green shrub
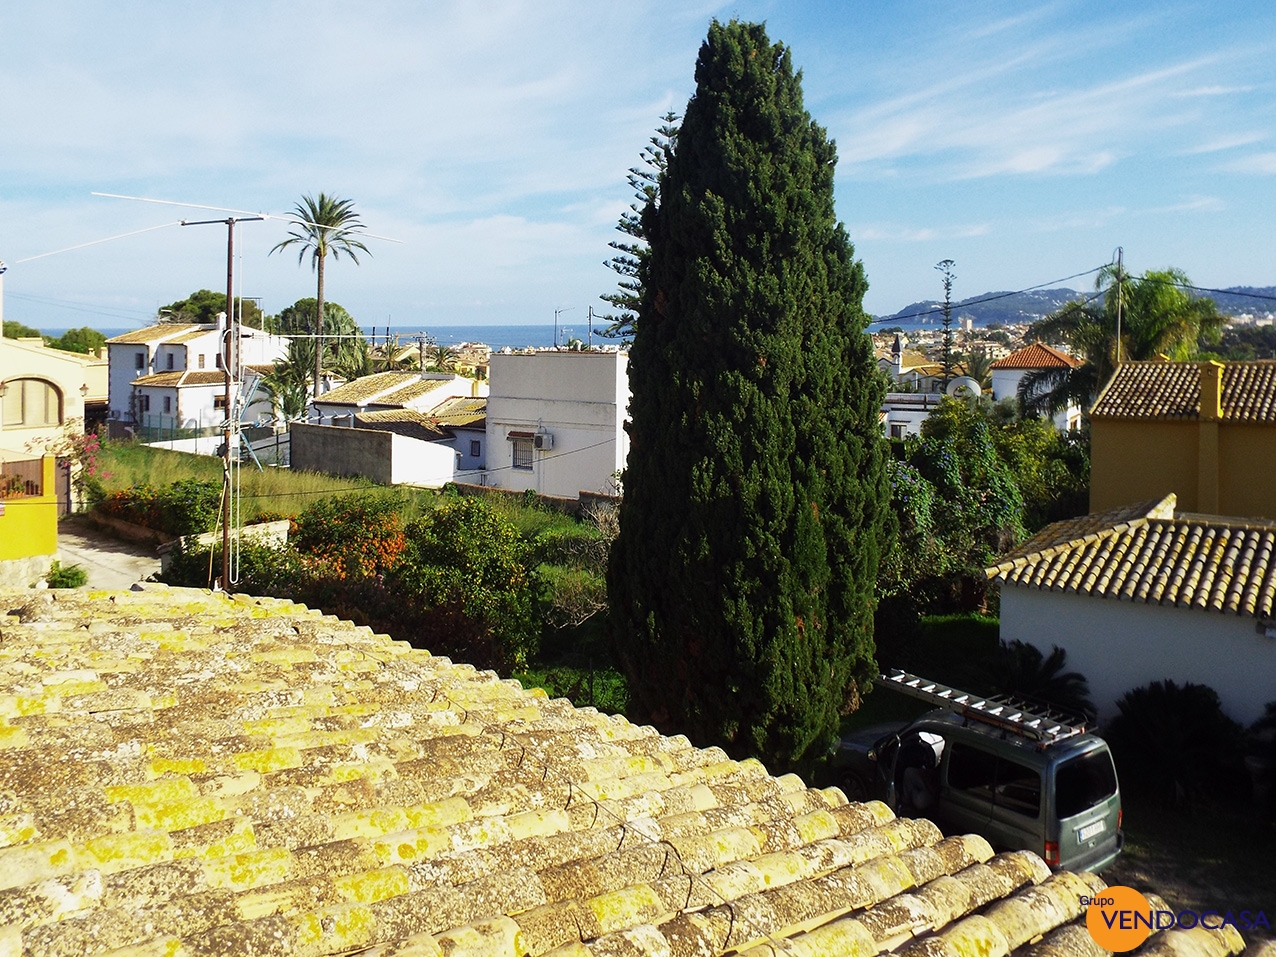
(602, 688)
(263, 568)
(1174, 743)
(465, 570)
(66, 576)
(352, 535)
(184, 507)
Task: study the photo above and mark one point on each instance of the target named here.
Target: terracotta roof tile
(156, 333)
(1146, 553)
(361, 390)
(1037, 355)
(405, 422)
(1172, 390)
(193, 335)
(462, 412)
(188, 773)
(187, 377)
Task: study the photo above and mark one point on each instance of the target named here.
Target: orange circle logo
(1119, 918)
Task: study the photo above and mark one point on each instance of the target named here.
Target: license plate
(1090, 830)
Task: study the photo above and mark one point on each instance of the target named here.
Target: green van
(1017, 775)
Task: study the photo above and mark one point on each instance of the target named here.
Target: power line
(938, 310)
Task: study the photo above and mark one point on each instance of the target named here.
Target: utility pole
(558, 312)
(228, 426)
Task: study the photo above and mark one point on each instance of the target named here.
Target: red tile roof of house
(1037, 356)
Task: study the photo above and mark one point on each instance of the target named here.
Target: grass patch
(271, 491)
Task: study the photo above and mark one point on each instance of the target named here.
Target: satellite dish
(963, 386)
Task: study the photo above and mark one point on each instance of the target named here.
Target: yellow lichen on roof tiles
(361, 390)
(242, 791)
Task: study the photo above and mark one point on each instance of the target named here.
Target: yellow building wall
(1247, 469)
(1133, 461)
(29, 525)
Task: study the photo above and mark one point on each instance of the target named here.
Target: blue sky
(1024, 141)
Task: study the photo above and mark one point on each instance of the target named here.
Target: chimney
(1211, 390)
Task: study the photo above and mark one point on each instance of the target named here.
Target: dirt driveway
(109, 562)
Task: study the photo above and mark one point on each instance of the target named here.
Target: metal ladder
(1035, 721)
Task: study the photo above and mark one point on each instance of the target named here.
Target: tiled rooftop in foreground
(185, 773)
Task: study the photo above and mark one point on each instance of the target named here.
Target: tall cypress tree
(741, 584)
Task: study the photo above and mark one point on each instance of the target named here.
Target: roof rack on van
(1039, 722)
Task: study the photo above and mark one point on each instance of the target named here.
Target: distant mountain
(991, 307)
(1010, 307)
(1235, 300)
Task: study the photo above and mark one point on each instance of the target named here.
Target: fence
(21, 477)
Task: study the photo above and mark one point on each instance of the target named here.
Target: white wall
(581, 398)
(907, 409)
(1119, 645)
(121, 375)
(1005, 385)
(414, 462)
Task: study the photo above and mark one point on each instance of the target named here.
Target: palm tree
(442, 359)
(1158, 317)
(285, 384)
(978, 366)
(325, 225)
(1019, 668)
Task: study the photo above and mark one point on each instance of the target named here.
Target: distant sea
(498, 337)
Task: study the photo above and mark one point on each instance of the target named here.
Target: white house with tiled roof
(247, 776)
(1143, 593)
(417, 391)
(160, 355)
(1009, 371)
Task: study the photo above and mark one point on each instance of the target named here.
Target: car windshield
(1083, 782)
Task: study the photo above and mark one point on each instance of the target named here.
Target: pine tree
(755, 508)
(632, 251)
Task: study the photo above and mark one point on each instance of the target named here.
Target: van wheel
(854, 787)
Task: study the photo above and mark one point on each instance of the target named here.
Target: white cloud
(897, 233)
(1228, 142)
(1261, 163)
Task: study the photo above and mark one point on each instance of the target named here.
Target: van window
(1018, 788)
(1083, 782)
(972, 770)
(983, 776)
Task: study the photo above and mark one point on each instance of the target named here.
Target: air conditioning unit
(543, 441)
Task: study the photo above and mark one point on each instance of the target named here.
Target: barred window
(523, 454)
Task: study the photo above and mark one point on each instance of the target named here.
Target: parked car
(979, 765)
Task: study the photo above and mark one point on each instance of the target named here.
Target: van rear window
(1083, 782)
